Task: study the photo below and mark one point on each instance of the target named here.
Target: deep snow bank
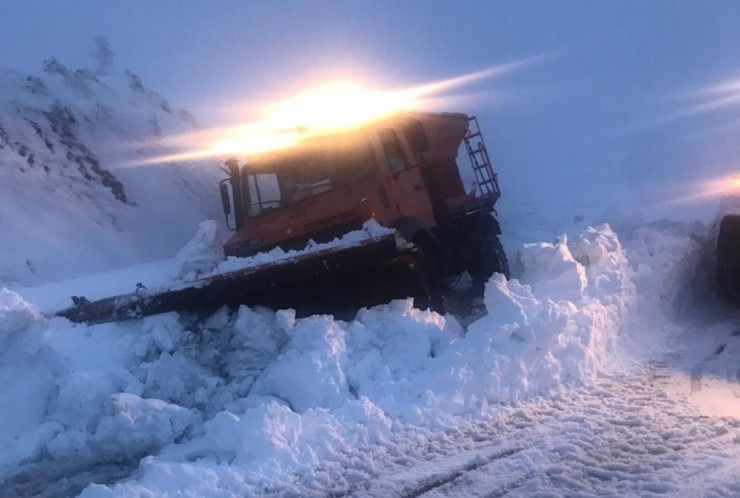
(243, 401)
(672, 267)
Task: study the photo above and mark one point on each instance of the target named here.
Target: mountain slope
(76, 193)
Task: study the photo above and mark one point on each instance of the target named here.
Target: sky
(615, 99)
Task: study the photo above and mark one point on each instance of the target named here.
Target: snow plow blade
(328, 281)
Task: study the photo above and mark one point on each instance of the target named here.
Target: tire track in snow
(624, 435)
(640, 440)
(423, 479)
(440, 480)
(478, 445)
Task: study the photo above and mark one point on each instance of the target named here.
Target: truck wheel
(429, 287)
(489, 256)
(728, 258)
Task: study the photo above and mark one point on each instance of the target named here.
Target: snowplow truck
(400, 171)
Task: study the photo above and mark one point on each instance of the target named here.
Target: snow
(77, 195)
(371, 230)
(201, 255)
(254, 401)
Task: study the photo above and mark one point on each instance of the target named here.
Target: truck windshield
(288, 176)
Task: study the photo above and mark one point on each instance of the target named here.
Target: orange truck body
(406, 174)
(401, 171)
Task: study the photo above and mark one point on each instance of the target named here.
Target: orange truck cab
(401, 170)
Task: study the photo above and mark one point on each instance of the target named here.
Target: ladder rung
(481, 163)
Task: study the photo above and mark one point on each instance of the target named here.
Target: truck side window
(393, 151)
(264, 193)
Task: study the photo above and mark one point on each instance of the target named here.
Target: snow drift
(243, 401)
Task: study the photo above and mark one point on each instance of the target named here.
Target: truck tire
(728, 258)
(489, 256)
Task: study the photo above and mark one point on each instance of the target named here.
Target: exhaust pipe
(235, 178)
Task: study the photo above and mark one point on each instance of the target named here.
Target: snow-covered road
(609, 369)
(648, 433)
(670, 427)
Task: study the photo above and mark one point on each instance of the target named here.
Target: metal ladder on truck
(480, 161)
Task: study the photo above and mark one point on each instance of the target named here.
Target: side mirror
(417, 137)
(225, 200)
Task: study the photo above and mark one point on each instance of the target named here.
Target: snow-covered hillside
(75, 193)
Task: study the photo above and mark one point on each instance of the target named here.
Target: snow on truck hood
(243, 401)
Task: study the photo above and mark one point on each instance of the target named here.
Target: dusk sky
(626, 93)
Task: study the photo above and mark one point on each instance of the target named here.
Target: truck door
(407, 189)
